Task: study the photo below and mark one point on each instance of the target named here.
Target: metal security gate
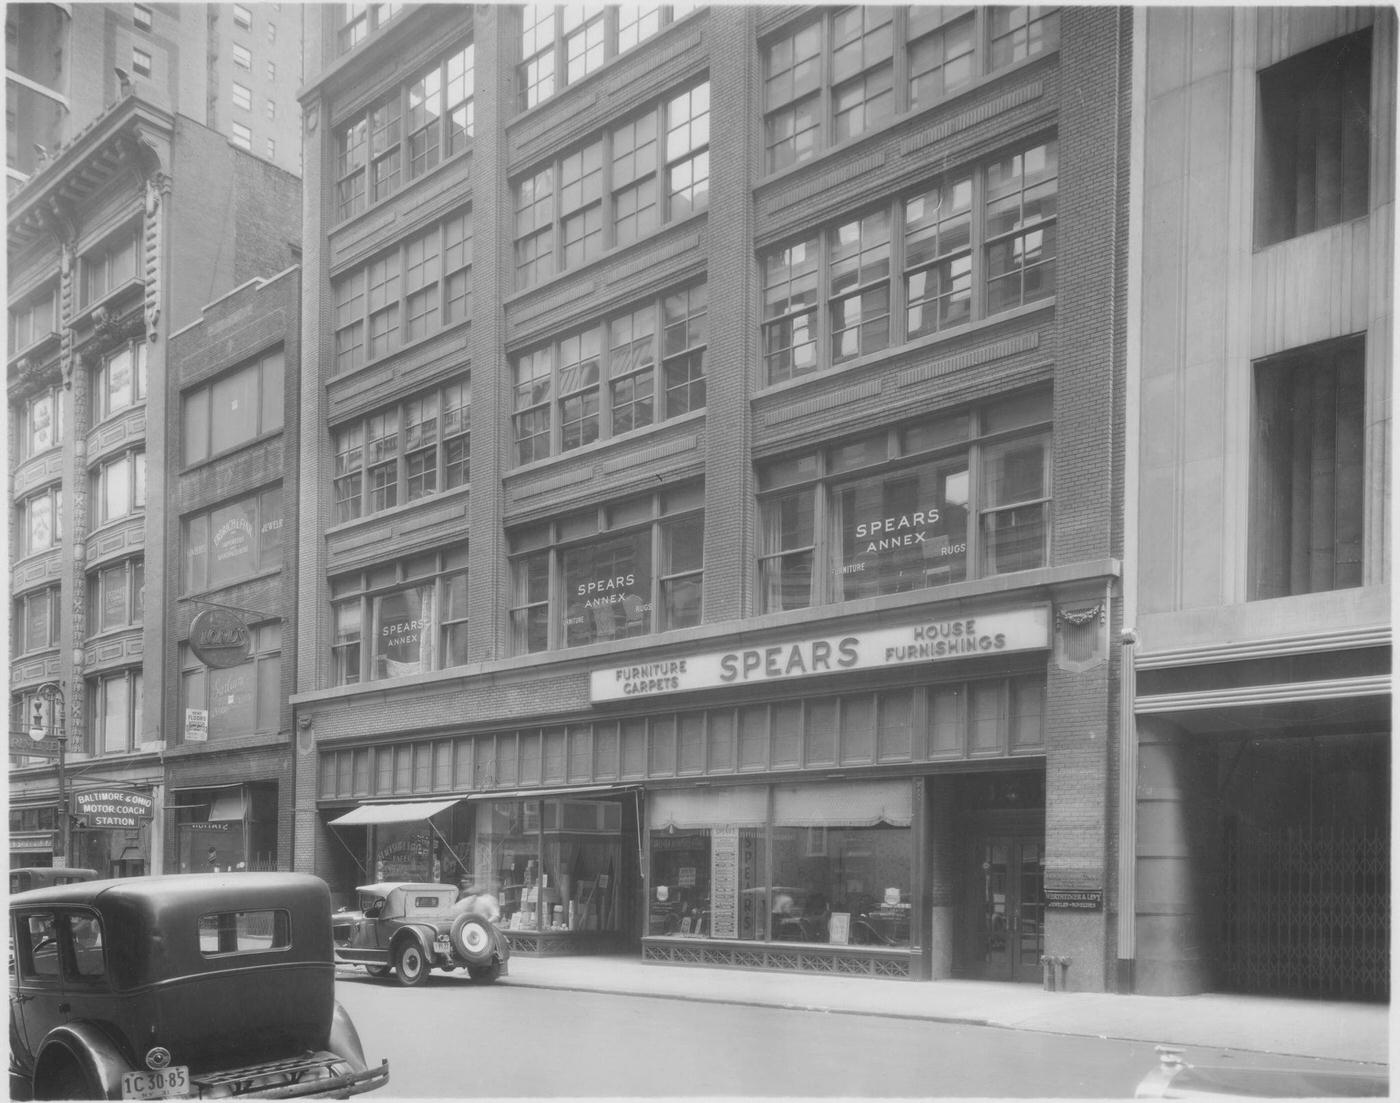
(1307, 911)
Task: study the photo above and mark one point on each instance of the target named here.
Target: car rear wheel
(484, 974)
(473, 940)
(411, 965)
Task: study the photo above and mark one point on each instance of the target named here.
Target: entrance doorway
(1006, 902)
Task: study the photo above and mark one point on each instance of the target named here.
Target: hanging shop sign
(1088, 900)
(41, 840)
(964, 636)
(113, 807)
(219, 639)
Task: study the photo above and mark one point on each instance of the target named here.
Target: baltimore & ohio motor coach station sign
(113, 807)
(958, 637)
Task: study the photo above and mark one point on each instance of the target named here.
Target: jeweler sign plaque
(1085, 900)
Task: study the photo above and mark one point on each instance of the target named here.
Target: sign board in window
(1074, 899)
(196, 725)
(724, 882)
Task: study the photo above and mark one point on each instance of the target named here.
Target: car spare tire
(473, 940)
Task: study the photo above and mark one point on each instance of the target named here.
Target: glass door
(1006, 892)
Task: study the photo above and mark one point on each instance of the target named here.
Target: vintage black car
(37, 877)
(196, 985)
(412, 928)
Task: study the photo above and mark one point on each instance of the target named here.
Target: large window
(849, 70)
(114, 711)
(33, 320)
(626, 569)
(234, 409)
(109, 267)
(638, 367)
(562, 44)
(359, 18)
(651, 169)
(407, 132)
(922, 504)
(403, 617)
(421, 286)
(116, 596)
(232, 542)
(41, 421)
(1314, 144)
(119, 381)
(37, 618)
(1307, 504)
(842, 863)
(242, 699)
(407, 451)
(971, 244)
(42, 518)
(118, 486)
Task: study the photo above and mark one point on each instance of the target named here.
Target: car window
(39, 951)
(430, 902)
(86, 932)
(249, 932)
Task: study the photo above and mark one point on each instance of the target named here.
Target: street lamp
(52, 693)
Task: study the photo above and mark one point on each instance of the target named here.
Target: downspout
(1132, 399)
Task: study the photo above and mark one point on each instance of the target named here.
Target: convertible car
(410, 929)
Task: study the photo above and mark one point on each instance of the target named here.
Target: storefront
(556, 860)
(226, 828)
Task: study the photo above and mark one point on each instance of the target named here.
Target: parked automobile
(1176, 1078)
(412, 928)
(36, 877)
(165, 987)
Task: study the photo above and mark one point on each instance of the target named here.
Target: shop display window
(841, 863)
(554, 865)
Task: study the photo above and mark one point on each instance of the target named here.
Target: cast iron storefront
(857, 822)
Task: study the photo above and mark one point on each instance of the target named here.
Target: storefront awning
(227, 806)
(561, 791)
(393, 813)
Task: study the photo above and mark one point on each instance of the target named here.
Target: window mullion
(604, 382)
(977, 233)
(974, 498)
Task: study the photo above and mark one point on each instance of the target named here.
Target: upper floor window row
(42, 417)
(403, 452)
(625, 569)
(406, 133)
(969, 245)
(118, 486)
(232, 542)
(421, 285)
(358, 20)
(33, 320)
(406, 616)
(116, 595)
(646, 364)
(109, 266)
(119, 381)
(562, 44)
(930, 502)
(234, 409)
(851, 69)
(42, 521)
(36, 620)
(652, 169)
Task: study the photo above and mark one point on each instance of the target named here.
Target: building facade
(1257, 758)
(117, 241)
(711, 477)
(235, 68)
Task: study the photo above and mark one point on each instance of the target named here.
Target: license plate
(171, 1083)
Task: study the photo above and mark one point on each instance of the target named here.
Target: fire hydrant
(1048, 966)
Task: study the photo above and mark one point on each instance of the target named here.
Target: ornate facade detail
(157, 186)
(1081, 637)
(1080, 617)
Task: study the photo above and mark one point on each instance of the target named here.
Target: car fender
(94, 1050)
(344, 1039)
(419, 933)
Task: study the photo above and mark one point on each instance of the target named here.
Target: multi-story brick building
(119, 239)
(711, 476)
(235, 68)
(1257, 761)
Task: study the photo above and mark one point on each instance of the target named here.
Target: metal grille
(786, 959)
(1307, 912)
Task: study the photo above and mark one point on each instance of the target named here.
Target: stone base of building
(781, 957)
(555, 943)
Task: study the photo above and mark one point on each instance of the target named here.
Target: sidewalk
(1304, 1028)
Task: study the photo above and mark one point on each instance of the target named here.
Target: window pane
(609, 588)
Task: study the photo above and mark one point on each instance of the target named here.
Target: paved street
(451, 1038)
